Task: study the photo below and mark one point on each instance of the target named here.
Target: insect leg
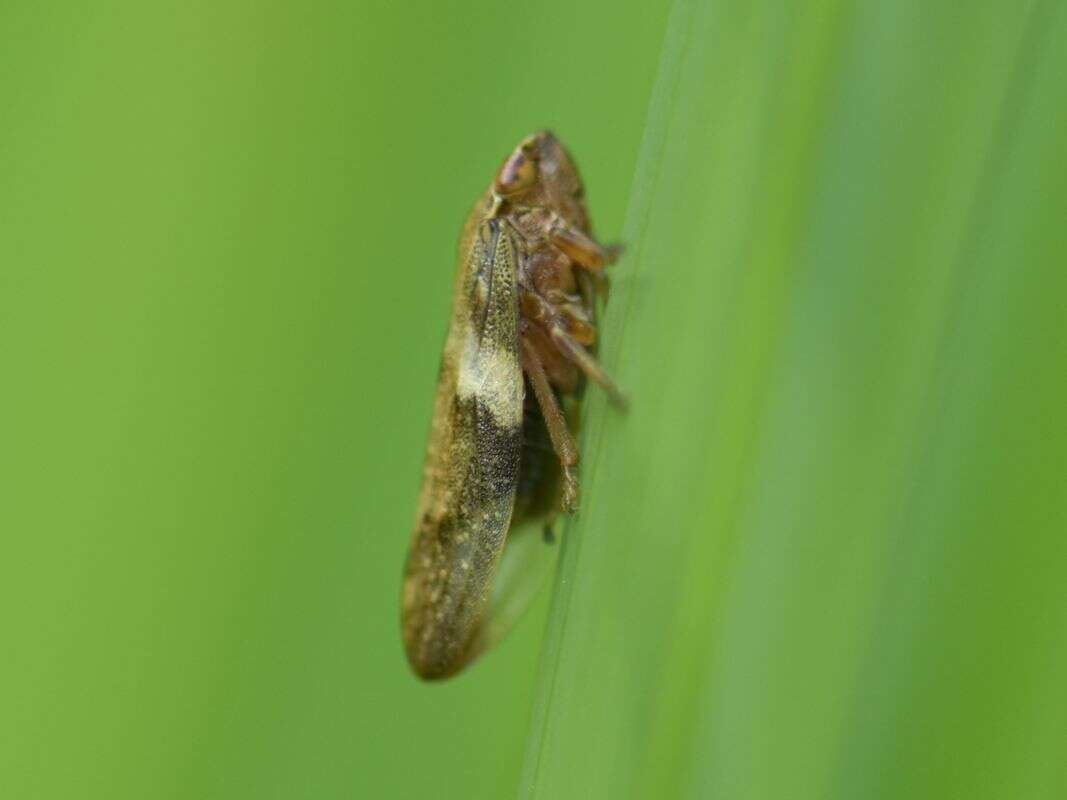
(555, 422)
(589, 365)
(592, 285)
(580, 247)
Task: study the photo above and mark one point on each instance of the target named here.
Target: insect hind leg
(555, 422)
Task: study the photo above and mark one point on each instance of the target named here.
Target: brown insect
(501, 453)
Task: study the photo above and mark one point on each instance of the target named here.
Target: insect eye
(518, 173)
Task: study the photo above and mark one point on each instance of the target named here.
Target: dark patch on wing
(499, 447)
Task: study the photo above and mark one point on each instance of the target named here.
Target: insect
(502, 459)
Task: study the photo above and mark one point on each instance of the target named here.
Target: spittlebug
(501, 453)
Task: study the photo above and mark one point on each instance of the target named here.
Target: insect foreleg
(580, 247)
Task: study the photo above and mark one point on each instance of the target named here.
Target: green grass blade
(824, 554)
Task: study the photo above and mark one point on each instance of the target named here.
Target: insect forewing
(472, 463)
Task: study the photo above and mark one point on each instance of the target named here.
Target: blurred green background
(823, 556)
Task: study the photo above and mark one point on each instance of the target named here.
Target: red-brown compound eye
(518, 174)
